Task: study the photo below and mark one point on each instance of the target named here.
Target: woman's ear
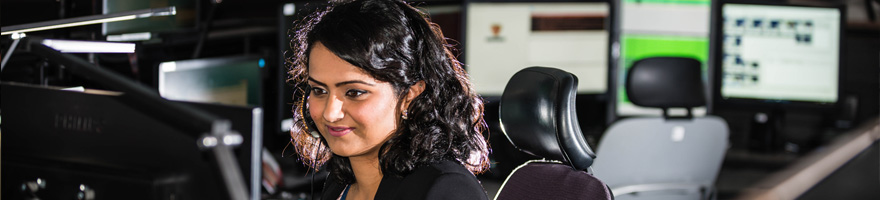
(414, 91)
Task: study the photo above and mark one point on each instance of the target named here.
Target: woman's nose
(333, 110)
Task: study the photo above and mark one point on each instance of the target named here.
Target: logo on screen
(496, 34)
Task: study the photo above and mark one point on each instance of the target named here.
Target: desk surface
(821, 167)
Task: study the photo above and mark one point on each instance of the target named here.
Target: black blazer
(443, 180)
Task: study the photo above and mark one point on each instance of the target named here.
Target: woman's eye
(354, 93)
(318, 91)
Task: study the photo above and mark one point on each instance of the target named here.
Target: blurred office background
(233, 52)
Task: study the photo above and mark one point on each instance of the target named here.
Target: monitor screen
(505, 37)
(643, 29)
(779, 53)
(231, 81)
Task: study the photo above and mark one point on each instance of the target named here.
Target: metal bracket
(220, 142)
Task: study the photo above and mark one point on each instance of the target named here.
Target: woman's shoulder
(446, 167)
(441, 172)
(453, 181)
(441, 180)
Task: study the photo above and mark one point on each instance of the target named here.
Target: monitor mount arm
(210, 132)
(872, 16)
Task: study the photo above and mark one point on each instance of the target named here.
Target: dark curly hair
(395, 43)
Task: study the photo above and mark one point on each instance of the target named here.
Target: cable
(870, 8)
(312, 185)
(205, 28)
(9, 53)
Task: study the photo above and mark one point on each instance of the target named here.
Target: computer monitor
(504, 36)
(643, 29)
(225, 80)
(95, 144)
(780, 63)
(777, 55)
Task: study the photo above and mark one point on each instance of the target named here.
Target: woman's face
(354, 112)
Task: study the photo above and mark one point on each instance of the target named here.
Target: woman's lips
(338, 131)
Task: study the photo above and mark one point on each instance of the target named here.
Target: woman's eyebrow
(317, 82)
(352, 82)
(341, 83)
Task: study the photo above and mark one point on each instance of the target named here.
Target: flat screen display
(505, 37)
(780, 53)
(230, 81)
(656, 28)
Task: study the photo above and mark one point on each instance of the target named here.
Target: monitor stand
(766, 130)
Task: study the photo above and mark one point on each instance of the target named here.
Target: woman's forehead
(326, 67)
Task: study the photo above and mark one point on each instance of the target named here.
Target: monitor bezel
(715, 51)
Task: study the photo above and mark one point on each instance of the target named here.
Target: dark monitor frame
(715, 51)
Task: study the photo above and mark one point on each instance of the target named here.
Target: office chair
(538, 116)
(664, 157)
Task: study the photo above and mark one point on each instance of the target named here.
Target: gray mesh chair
(538, 116)
(663, 157)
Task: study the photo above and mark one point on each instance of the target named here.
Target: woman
(385, 105)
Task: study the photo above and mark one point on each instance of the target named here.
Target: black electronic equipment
(129, 140)
(94, 144)
(775, 59)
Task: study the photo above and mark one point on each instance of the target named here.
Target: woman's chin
(352, 152)
(343, 152)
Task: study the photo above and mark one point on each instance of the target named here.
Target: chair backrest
(538, 116)
(550, 180)
(663, 155)
(666, 82)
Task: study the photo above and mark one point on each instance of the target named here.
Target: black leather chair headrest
(666, 82)
(538, 116)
